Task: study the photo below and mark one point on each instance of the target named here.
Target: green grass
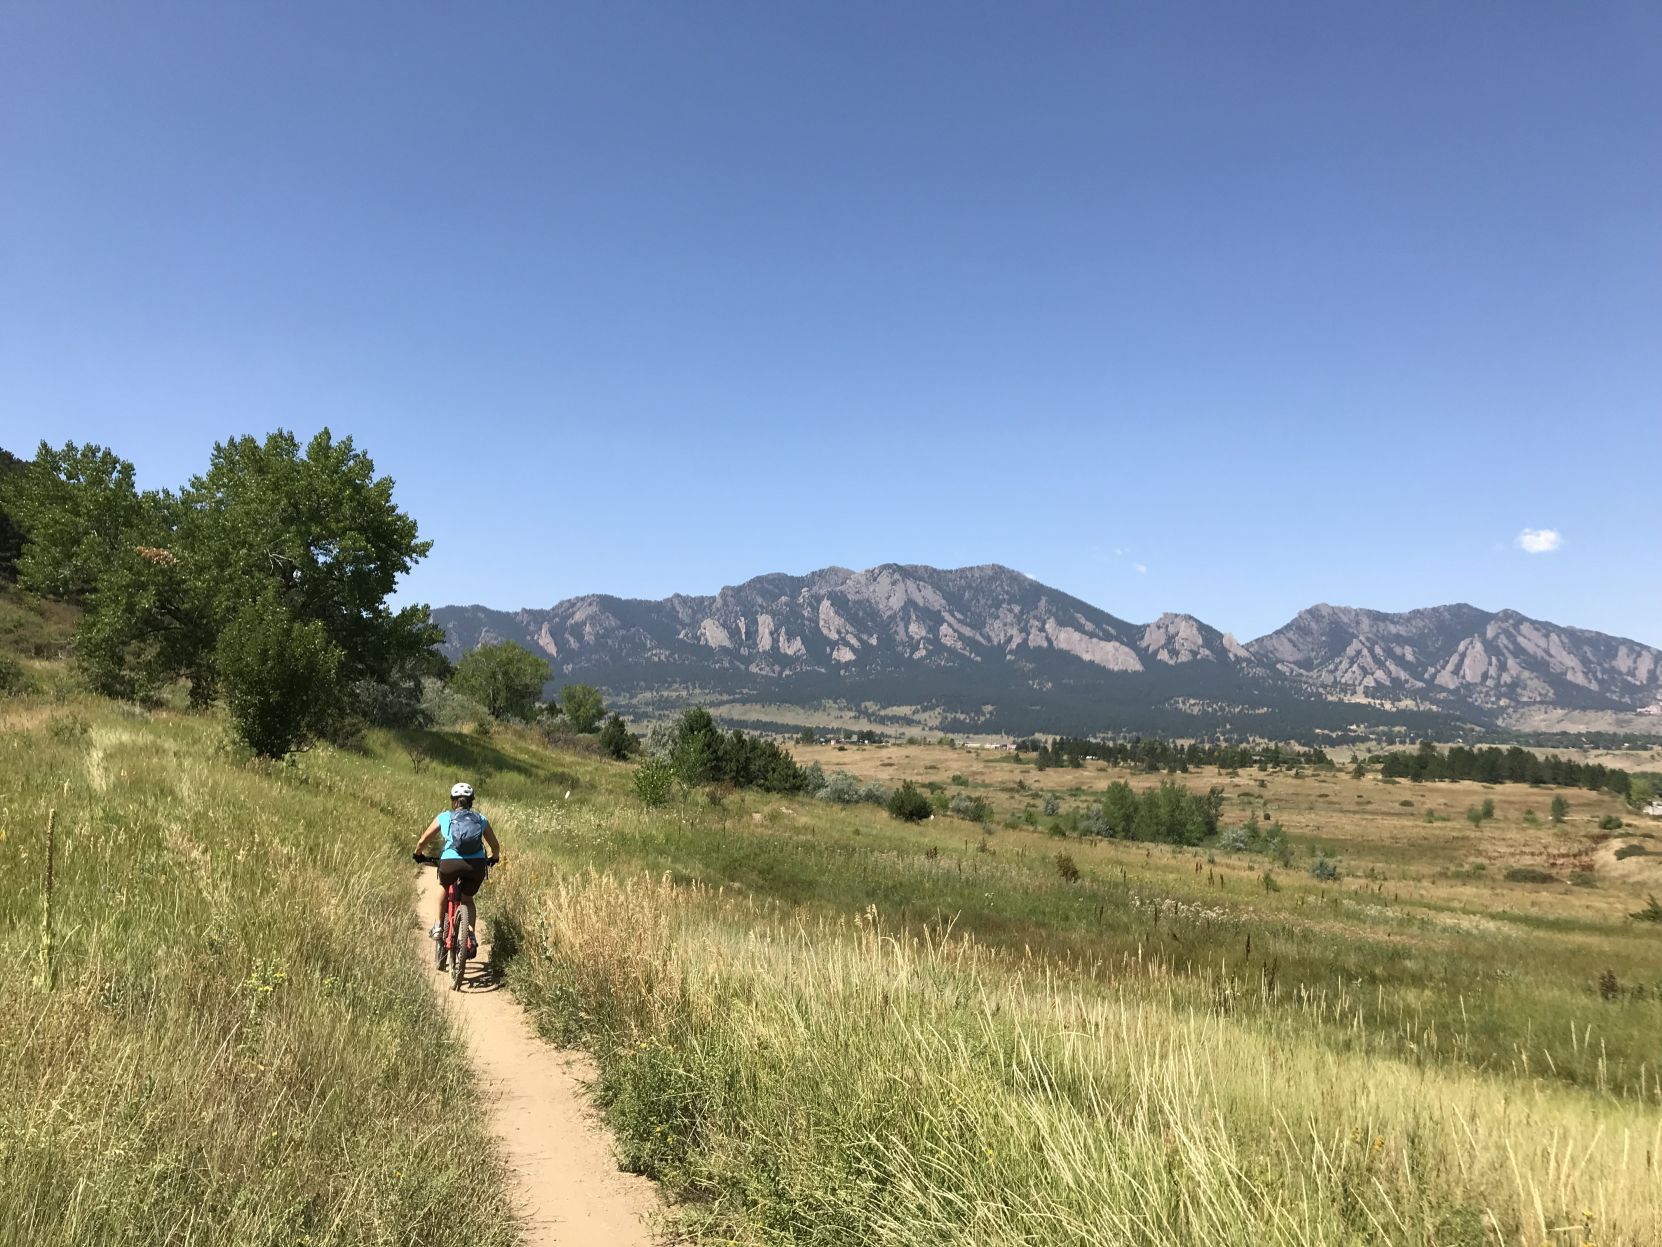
(816, 1031)
(814, 1024)
(239, 1045)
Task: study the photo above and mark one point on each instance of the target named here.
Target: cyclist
(468, 869)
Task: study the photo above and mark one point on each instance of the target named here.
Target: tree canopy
(276, 538)
(506, 679)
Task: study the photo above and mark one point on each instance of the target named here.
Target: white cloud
(1140, 568)
(1539, 540)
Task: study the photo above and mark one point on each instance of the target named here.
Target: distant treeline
(1494, 765)
(1154, 754)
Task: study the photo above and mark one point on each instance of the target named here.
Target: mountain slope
(976, 647)
(988, 648)
(1491, 661)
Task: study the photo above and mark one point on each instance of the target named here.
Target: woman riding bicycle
(467, 856)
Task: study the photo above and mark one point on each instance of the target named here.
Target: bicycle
(454, 943)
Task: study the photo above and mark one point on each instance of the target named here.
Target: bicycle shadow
(483, 974)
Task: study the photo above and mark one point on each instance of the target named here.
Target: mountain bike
(454, 943)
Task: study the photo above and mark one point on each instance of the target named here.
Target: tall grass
(240, 1047)
(822, 1080)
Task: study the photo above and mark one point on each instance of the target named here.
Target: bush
(1631, 850)
(909, 804)
(975, 809)
(1324, 870)
(13, 679)
(701, 753)
(616, 739)
(1052, 806)
(280, 678)
(1610, 823)
(67, 729)
(959, 781)
(1529, 874)
(654, 781)
(444, 705)
(1067, 868)
(841, 788)
(1650, 913)
(874, 793)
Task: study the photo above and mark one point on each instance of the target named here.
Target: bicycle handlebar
(424, 860)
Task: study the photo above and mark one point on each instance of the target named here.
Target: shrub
(1529, 874)
(280, 676)
(975, 809)
(1531, 818)
(1052, 805)
(960, 781)
(874, 793)
(1650, 913)
(909, 804)
(1610, 823)
(1559, 809)
(841, 788)
(1324, 870)
(444, 705)
(654, 780)
(1067, 868)
(67, 728)
(13, 679)
(616, 739)
(1631, 850)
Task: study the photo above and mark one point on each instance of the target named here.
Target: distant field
(825, 1026)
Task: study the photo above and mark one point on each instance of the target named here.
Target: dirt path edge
(567, 1188)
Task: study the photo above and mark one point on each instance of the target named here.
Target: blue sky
(1226, 309)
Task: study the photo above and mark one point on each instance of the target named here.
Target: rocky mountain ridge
(989, 647)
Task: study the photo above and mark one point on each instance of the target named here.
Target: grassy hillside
(815, 1024)
(238, 1045)
(821, 1026)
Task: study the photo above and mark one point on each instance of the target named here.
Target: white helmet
(462, 790)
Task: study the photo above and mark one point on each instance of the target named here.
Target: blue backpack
(467, 832)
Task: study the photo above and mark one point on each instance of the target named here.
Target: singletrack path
(566, 1183)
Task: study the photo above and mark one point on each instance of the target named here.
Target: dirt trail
(567, 1186)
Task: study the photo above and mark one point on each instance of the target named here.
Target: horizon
(1238, 310)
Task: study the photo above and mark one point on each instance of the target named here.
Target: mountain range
(987, 649)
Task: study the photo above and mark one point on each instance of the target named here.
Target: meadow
(819, 1025)
(813, 1023)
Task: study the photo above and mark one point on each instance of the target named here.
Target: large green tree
(506, 679)
(11, 532)
(582, 706)
(309, 531)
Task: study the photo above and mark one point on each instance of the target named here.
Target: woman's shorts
(468, 872)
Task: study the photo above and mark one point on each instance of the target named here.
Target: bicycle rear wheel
(458, 948)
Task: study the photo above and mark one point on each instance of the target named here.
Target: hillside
(989, 649)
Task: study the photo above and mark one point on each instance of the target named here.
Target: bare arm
(491, 841)
(432, 830)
